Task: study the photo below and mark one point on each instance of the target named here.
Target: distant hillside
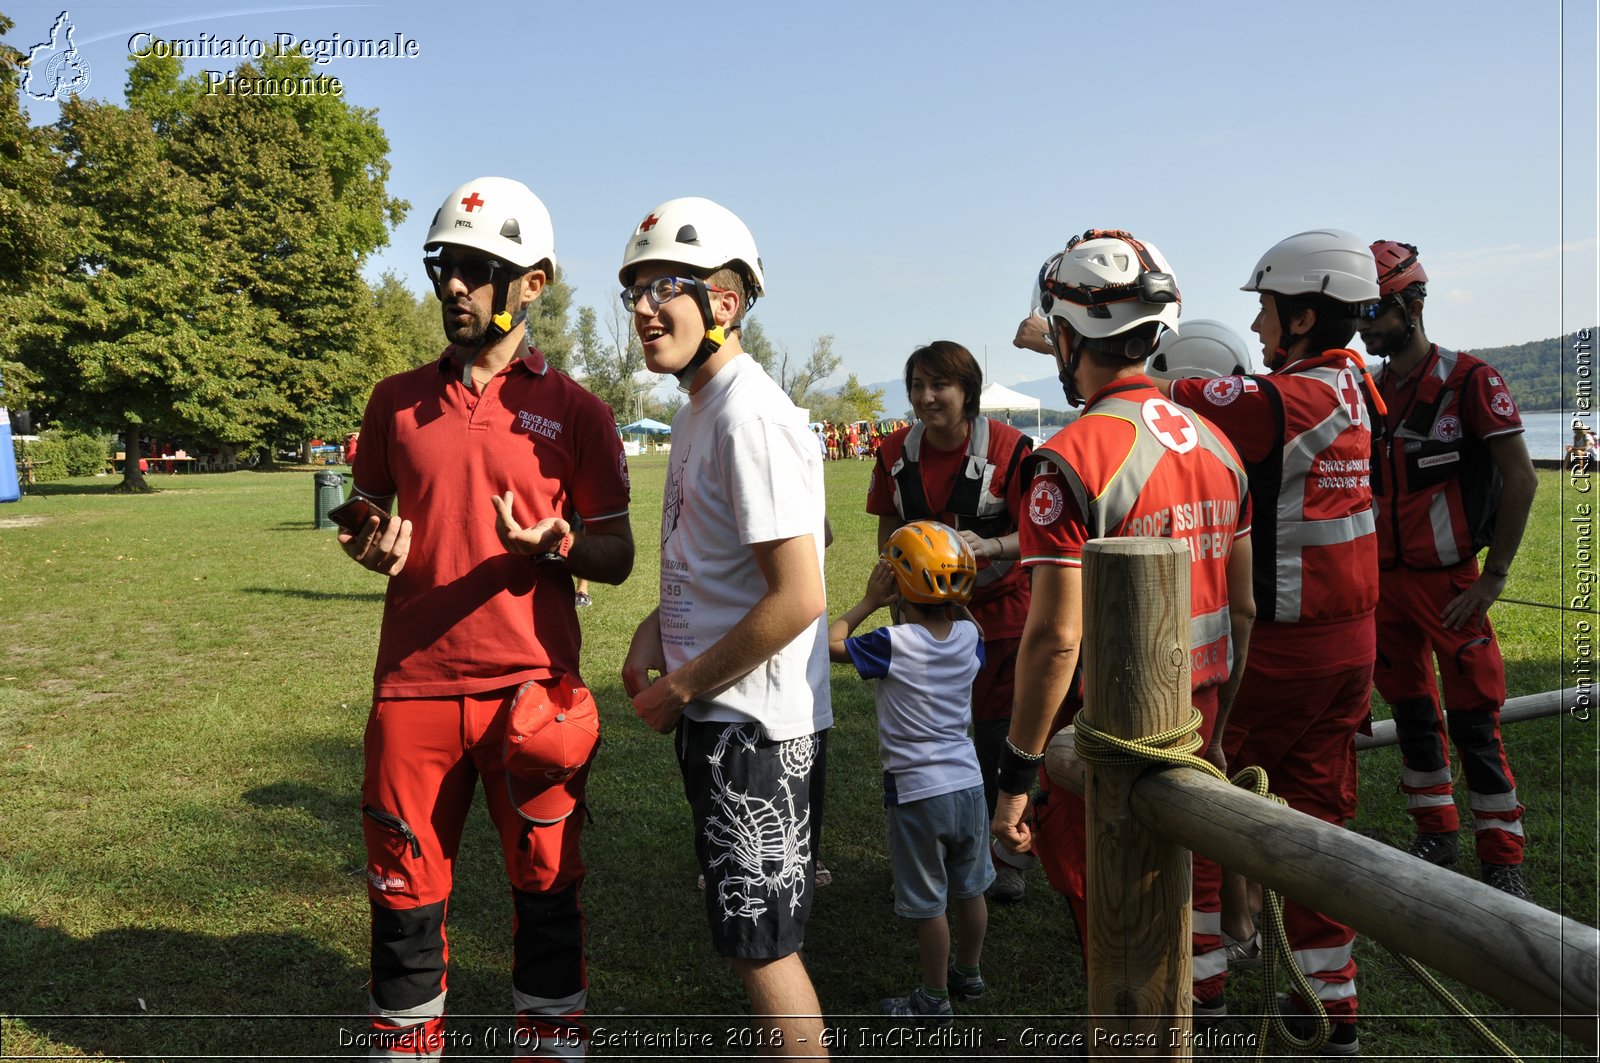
(1535, 371)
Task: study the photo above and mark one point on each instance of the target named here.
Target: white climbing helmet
(1107, 282)
(698, 233)
(1202, 348)
(1329, 262)
(498, 216)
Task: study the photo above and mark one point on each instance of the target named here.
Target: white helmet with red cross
(500, 217)
(698, 233)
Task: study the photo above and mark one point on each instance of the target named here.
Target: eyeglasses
(661, 290)
(474, 272)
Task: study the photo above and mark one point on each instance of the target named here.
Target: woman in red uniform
(958, 467)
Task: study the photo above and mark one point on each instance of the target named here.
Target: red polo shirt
(463, 615)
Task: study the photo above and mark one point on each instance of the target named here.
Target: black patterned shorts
(757, 807)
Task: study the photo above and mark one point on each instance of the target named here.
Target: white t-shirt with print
(744, 470)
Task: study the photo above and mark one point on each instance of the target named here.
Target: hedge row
(57, 455)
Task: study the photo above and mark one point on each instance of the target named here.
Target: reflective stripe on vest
(1106, 513)
(1292, 531)
(971, 495)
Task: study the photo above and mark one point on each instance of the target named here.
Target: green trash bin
(329, 496)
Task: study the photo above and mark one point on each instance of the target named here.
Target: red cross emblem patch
(1223, 390)
(1044, 504)
(1501, 404)
(648, 223)
(1171, 426)
(472, 202)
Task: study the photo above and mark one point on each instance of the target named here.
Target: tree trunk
(133, 480)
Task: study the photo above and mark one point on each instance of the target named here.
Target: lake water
(1547, 433)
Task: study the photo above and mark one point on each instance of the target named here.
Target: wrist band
(1017, 770)
(1501, 572)
(999, 549)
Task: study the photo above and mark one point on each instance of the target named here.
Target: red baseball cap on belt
(552, 731)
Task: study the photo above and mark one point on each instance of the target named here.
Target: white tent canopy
(1000, 397)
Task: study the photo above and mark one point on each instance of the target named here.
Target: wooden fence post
(1136, 684)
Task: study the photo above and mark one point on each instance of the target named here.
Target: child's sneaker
(966, 986)
(918, 1005)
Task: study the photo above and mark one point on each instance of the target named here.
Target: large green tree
(33, 225)
(296, 201)
(134, 332)
(612, 361)
(212, 289)
(548, 326)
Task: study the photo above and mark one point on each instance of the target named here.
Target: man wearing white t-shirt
(740, 637)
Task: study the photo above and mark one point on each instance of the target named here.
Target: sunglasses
(1373, 311)
(474, 272)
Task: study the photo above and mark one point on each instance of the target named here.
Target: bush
(58, 454)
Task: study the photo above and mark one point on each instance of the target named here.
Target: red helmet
(1398, 268)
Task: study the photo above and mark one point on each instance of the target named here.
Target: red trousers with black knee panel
(1302, 731)
(1411, 638)
(424, 758)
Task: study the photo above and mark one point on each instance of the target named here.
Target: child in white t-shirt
(937, 822)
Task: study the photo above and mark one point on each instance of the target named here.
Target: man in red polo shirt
(492, 457)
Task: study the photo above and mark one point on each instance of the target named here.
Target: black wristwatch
(558, 556)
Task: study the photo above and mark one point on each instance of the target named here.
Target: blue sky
(906, 167)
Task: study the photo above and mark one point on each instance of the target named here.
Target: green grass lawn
(182, 694)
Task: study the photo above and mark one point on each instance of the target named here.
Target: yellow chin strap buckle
(716, 335)
(502, 320)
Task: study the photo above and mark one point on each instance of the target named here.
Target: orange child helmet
(932, 564)
(1398, 268)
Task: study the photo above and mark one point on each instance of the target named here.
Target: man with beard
(1452, 438)
(494, 458)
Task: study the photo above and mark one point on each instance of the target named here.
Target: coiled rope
(1176, 746)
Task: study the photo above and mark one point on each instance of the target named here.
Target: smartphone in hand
(352, 516)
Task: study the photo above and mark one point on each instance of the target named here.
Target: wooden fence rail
(1141, 819)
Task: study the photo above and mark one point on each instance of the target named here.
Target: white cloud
(1459, 296)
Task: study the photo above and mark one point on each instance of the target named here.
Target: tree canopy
(211, 288)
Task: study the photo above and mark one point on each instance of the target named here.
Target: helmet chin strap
(715, 337)
(501, 324)
(1067, 372)
(1280, 355)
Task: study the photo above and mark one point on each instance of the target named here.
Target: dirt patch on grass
(20, 522)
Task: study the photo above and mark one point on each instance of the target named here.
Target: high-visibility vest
(1436, 487)
(1312, 529)
(972, 499)
(1115, 490)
